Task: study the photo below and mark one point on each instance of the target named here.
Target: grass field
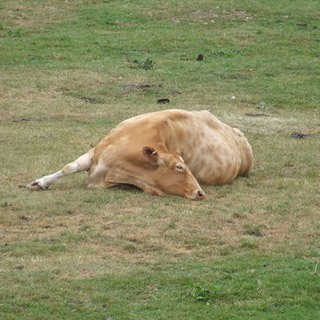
(70, 71)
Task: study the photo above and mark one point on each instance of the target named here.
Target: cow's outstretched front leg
(81, 164)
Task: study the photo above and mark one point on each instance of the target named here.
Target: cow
(169, 152)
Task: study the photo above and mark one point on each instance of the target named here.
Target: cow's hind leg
(81, 164)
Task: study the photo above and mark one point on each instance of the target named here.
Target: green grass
(71, 71)
(229, 288)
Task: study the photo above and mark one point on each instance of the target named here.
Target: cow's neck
(177, 136)
(119, 175)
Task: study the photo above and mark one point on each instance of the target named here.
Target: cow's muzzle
(197, 195)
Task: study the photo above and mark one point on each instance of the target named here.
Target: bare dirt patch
(220, 14)
(204, 14)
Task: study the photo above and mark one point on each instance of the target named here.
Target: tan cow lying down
(164, 153)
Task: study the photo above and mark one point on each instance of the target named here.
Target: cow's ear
(150, 154)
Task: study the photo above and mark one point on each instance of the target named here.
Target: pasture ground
(72, 70)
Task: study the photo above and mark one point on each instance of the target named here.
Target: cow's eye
(179, 168)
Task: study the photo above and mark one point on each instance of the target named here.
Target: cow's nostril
(201, 194)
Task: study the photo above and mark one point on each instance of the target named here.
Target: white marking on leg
(84, 162)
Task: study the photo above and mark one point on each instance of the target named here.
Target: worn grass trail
(70, 71)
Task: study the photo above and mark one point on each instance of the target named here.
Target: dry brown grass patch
(35, 14)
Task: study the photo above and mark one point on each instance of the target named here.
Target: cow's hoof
(35, 185)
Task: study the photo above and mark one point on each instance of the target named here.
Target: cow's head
(171, 175)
